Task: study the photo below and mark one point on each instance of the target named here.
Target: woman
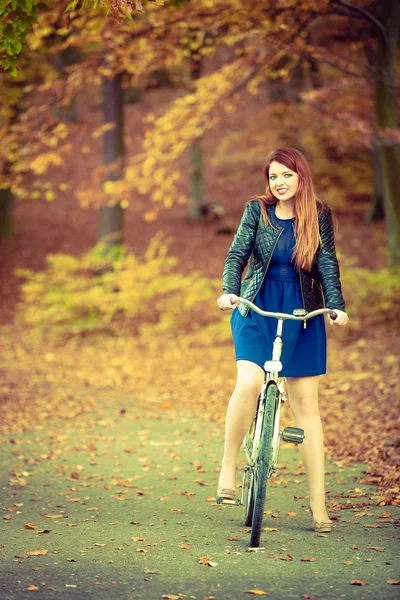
(288, 236)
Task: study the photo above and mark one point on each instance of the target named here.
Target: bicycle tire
(248, 495)
(263, 464)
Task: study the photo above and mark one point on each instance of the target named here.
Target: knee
(305, 406)
(248, 388)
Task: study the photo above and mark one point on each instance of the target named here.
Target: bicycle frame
(272, 369)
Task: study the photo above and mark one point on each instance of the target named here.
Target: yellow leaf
(256, 592)
(37, 553)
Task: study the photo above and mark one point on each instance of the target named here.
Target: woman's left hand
(341, 319)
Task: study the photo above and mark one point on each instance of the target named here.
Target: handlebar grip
(333, 316)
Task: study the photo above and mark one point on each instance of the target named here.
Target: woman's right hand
(224, 302)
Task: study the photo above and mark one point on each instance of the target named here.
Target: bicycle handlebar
(284, 316)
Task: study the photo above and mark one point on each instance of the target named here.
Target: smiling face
(283, 182)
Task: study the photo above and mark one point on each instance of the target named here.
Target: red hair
(306, 205)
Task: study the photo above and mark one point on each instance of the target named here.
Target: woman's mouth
(282, 191)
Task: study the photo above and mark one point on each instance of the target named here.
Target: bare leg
(240, 413)
(303, 398)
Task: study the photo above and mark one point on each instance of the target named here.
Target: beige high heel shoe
(226, 496)
(320, 526)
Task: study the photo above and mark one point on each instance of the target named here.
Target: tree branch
(367, 15)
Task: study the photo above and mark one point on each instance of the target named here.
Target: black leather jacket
(319, 287)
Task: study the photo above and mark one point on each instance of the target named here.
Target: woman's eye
(288, 175)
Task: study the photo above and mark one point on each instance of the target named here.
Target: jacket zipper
(301, 285)
(266, 268)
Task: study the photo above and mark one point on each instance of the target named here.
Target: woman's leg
(240, 413)
(303, 399)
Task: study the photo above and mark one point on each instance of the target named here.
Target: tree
(384, 15)
(18, 16)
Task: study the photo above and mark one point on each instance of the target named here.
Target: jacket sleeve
(327, 264)
(241, 248)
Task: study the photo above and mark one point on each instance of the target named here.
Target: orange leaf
(37, 553)
(30, 526)
(185, 546)
(358, 582)
(377, 548)
(32, 588)
(207, 562)
(348, 562)
(308, 559)
(287, 557)
(393, 581)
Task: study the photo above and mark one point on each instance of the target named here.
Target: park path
(121, 504)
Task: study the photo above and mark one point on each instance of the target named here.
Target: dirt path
(121, 505)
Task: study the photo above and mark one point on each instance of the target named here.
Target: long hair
(306, 205)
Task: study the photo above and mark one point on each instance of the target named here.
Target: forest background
(131, 138)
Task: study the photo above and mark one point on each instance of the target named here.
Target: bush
(109, 289)
(372, 296)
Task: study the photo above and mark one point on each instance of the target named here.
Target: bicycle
(262, 441)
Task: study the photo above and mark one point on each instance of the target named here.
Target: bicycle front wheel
(264, 461)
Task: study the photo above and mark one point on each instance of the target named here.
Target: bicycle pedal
(228, 501)
(293, 434)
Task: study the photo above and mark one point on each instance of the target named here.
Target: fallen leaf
(37, 553)
(291, 514)
(30, 526)
(256, 592)
(207, 562)
(32, 588)
(377, 548)
(287, 557)
(149, 572)
(307, 596)
(141, 550)
(138, 539)
(232, 538)
(308, 559)
(100, 544)
(358, 582)
(393, 581)
(185, 546)
(348, 562)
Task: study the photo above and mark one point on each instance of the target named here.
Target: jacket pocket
(248, 278)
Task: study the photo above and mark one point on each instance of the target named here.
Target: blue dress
(304, 350)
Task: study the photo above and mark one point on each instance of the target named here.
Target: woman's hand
(224, 302)
(341, 319)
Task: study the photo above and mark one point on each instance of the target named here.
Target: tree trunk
(377, 208)
(196, 181)
(196, 176)
(6, 213)
(389, 15)
(111, 216)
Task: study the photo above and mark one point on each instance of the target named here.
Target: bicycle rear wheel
(264, 460)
